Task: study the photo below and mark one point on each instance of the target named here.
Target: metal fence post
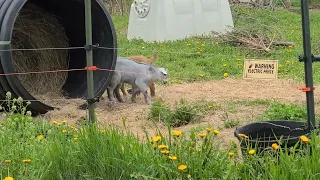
(307, 58)
(89, 57)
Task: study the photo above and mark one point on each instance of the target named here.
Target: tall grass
(36, 149)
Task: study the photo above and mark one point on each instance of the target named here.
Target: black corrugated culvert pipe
(71, 15)
(261, 135)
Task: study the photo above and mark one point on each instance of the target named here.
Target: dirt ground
(221, 91)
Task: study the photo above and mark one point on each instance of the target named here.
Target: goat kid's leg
(110, 91)
(146, 97)
(123, 90)
(117, 93)
(152, 89)
(134, 93)
(144, 89)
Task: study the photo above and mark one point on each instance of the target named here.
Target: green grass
(91, 153)
(279, 111)
(37, 149)
(183, 112)
(216, 59)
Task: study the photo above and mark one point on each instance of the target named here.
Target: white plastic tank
(163, 20)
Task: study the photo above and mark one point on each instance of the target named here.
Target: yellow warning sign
(260, 69)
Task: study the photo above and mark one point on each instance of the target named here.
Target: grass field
(33, 148)
(216, 59)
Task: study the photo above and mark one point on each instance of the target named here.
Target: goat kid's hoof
(121, 101)
(110, 103)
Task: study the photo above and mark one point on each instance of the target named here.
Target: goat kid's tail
(154, 57)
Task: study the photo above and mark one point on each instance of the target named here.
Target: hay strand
(36, 28)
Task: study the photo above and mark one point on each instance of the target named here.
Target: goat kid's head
(164, 75)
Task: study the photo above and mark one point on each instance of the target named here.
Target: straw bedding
(36, 28)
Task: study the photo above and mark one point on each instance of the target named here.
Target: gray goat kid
(138, 75)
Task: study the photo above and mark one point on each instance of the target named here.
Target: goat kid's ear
(152, 70)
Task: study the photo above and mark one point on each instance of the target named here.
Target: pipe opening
(58, 24)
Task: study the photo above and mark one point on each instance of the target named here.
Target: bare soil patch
(221, 91)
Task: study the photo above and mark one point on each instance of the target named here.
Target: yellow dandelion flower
(244, 136)
(275, 146)
(26, 161)
(76, 136)
(162, 146)
(304, 139)
(165, 151)
(177, 133)
(64, 121)
(182, 167)
(208, 129)
(59, 123)
(201, 75)
(54, 122)
(173, 158)
(230, 154)
(188, 44)
(225, 74)
(8, 178)
(142, 47)
(72, 127)
(64, 131)
(216, 131)
(156, 138)
(8, 161)
(198, 52)
(210, 107)
(75, 139)
(202, 44)
(202, 135)
(252, 152)
(122, 147)
(290, 47)
(225, 65)
(40, 137)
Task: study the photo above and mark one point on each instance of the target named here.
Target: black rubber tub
(261, 135)
(72, 17)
